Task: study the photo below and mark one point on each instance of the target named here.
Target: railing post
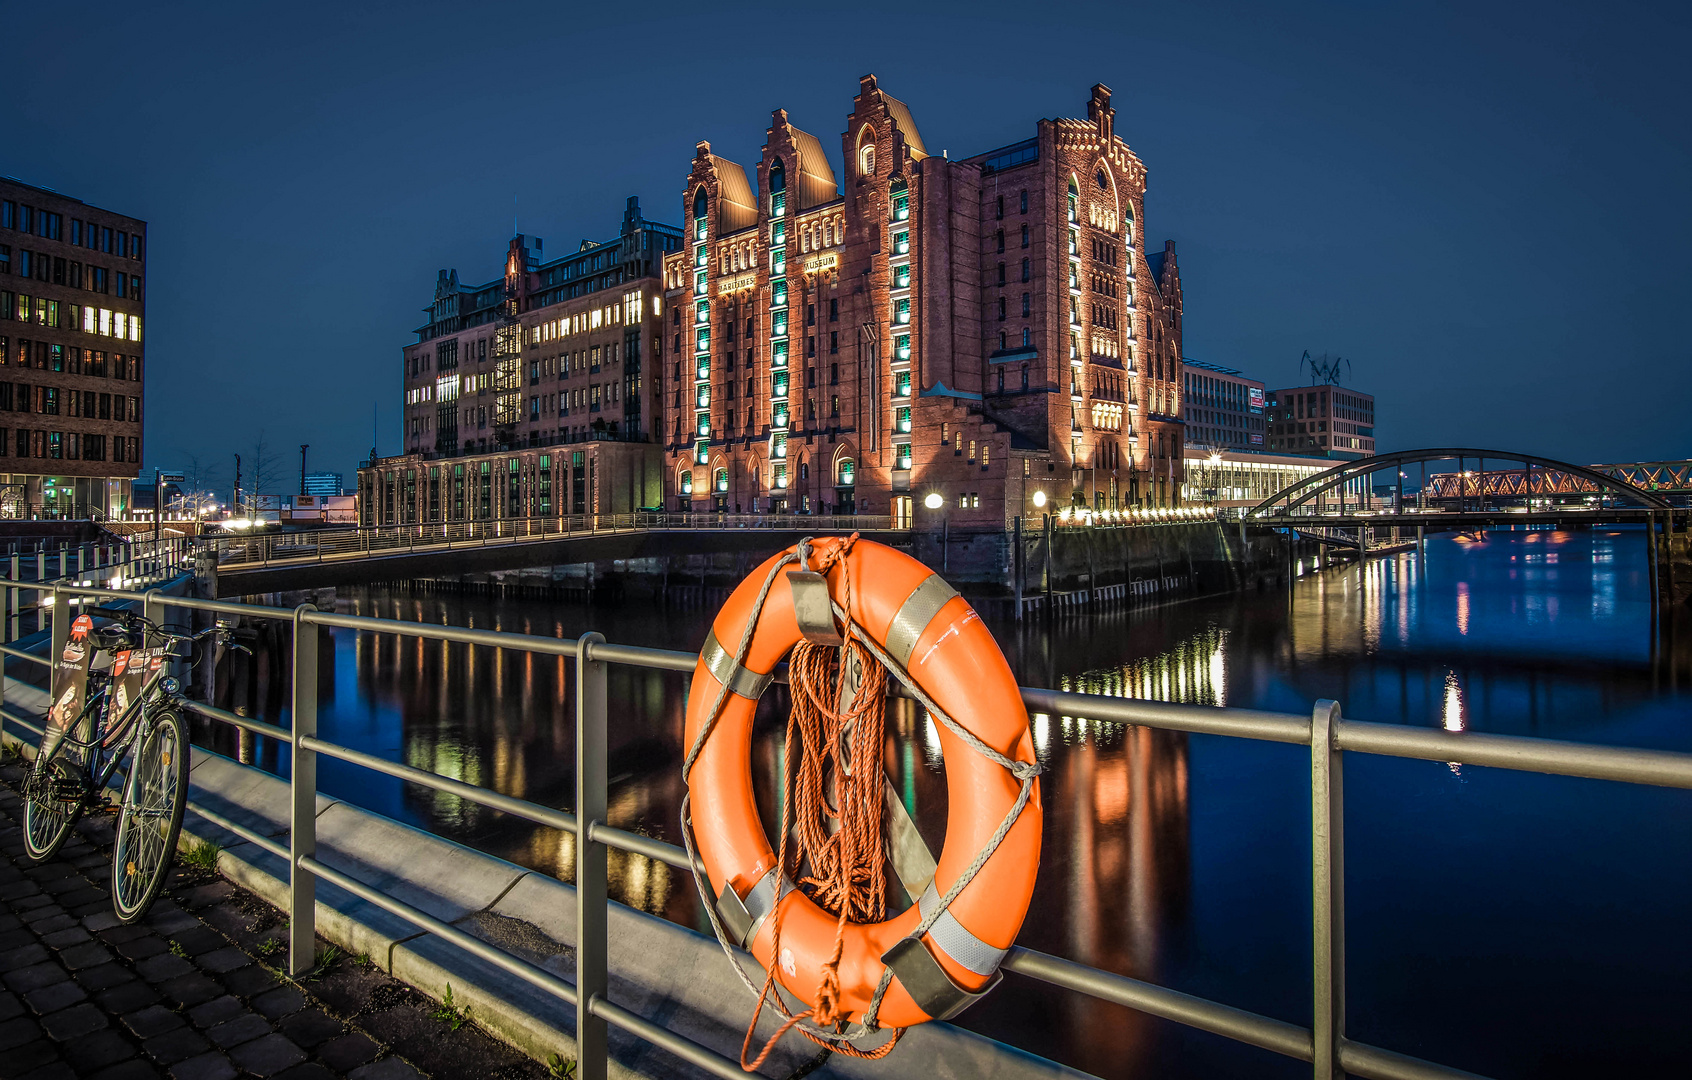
(1327, 888)
(302, 787)
(16, 594)
(591, 979)
(60, 635)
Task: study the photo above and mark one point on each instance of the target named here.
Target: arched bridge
(1533, 485)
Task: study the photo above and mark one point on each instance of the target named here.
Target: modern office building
(72, 288)
(921, 335)
(1327, 420)
(1223, 477)
(1221, 408)
(533, 394)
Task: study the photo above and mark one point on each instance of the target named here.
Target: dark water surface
(1511, 924)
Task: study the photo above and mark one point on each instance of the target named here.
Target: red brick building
(987, 334)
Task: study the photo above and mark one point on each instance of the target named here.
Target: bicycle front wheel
(151, 819)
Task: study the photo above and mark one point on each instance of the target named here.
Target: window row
(46, 356)
(57, 271)
(90, 320)
(50, 226)
(56, 401)
(72, 446)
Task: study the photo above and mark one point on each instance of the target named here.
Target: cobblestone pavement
(188, 993)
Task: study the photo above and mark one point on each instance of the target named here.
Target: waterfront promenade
(190, 993)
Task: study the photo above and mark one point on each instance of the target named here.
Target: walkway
(187, 993)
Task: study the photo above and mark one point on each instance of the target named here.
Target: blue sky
(1483, 206)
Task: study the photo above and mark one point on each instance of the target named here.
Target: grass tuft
(449, 1012)
(201, 854)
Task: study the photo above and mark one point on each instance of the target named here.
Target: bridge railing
(260, 549)
(1327, 734)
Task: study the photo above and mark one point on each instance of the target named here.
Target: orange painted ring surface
(959, 665)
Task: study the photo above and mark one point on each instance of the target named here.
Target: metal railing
(237, 551)
(126, 562)
(1328, 735)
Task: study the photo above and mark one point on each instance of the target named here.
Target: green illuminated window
(721, 483)
(699, 283)
(778, 294)
(902, 312)
(781, 475)
(902, 276)
(778, 354)
(687, 482)
(703, 427)
(902, 346)
(778, 204)
(902, 384)
(901, 243)
(902, 456)
(778, 446)
(702, 340)
(901, 203)
(778, 384)
(903, 421)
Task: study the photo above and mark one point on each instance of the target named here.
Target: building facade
(975, 337)
(1221, 408)
(534, 394)
(1220, 477)
(1327, 421)
(72, 291)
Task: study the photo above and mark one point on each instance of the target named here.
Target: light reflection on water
(1184, 860)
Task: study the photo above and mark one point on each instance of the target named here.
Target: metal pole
(60, 635)
(1016, 565)
(16, 593)
(158, 507)
(1046, 578)
(1327, 888)
(591, 901)
(302, 786)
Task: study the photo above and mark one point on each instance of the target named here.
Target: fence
(1324, 731)
(124, 562)
(255, 550)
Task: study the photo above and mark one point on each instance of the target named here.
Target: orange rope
(848, 875)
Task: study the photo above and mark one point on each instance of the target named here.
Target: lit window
(902, 456)
(902, 312)
(847, 472)
(901, 203)
(902, 384)
(901, 243)
(903, 422)
(902, 347)
(902, 276)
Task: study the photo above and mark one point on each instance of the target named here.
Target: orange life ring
(934, 633)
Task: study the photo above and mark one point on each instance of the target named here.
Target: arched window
(846, 472)
(699, 216)
(685, 482)
(721, 482)
(1074, 201)
(778, 189)
(866, 152)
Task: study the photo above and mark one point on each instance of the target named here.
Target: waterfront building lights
(935, 500)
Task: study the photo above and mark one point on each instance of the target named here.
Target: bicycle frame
(111, 743)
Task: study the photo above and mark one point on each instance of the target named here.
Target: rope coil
(841, 842)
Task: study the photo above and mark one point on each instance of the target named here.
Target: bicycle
(126, 708)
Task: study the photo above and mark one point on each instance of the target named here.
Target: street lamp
(1039, 499)
(936, 501)
(1215, 463)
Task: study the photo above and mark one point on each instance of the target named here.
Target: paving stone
(40, 1054)
(220, 961)
(162, 968)
(133, 1069)
(103, 977)
(153, 1020)
(73, 1022)
(250, 980)
(178, 1044)
(118, 933)
(47, 920)
(204, 1067)
(391, 1068)
(308, 1027)
(27, 956)
(14, 890)
(90, 955)
(190, 990)
(34, 978)
(17, 1031)
(172, 922)
(24, 905)
(243, 1028)
(267, 1056)
(96, 1051)
(348, 1052)
(311, 1070)
(61, 939)
(127, 997)
(279, 1002)
(10, 1005)
(105, 921)
(11, 940)
(140, 948)
(56, 1070)
(198, 939)
(216, 1011)
(50, 999)
(206, 895)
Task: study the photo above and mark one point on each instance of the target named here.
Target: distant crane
(1324, 369)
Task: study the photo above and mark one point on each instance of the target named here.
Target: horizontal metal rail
(1327, 740)
(257, 727)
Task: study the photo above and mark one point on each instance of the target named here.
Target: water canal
(1511, 924)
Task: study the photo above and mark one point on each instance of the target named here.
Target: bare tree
(260, 469)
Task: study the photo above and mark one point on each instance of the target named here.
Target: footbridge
(267, 562)
(1503, 489)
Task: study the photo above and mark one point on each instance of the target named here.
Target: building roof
(739, 207)
(815, 184)
(1154, 259)
(1208, 366)
(903, 120)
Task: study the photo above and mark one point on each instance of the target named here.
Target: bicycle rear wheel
(49, 812)
(151, 819)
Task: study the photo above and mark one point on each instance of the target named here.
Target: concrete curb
(667, 973)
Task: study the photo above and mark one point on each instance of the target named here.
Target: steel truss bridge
(1669, 478)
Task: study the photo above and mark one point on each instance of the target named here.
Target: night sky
(1484, 207)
